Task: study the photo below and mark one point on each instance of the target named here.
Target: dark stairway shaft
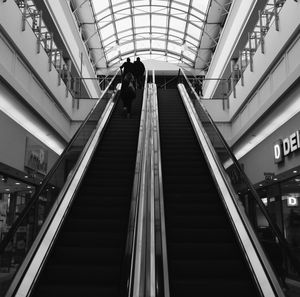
(203, 255)
(87, 257)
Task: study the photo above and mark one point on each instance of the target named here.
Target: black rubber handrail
(9, 236)
(276, 231)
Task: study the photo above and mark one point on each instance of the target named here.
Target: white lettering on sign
(286, 146)
(293, 142)
(292, 201)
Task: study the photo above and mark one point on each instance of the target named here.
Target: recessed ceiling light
(17, 183)
(26, 176)
(275, 178)
(28, 187)
(7, 189)
(260, 185)
(295, 171)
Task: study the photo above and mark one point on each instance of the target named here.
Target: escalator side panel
(87, 257)
(203, 254)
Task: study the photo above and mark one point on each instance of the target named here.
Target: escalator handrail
(275, 229)
(161, 259)
(129, 284)
(28, 272)
(11, 233)
(268, 284)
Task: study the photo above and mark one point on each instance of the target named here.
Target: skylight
(165, 30)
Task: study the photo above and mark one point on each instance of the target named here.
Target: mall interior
(192, 189)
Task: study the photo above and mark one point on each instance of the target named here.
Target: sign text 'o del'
(284, 147)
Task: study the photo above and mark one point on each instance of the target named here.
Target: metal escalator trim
(151, 198)
(158, 184)
(140, 260)
(134, 244)
(29, 270)
(259, 264)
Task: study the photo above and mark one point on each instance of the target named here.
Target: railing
(33, 17)
(266, 17)
(26, 226)
(198, 83)
(135, 244)
(274, 244)
(161, 283)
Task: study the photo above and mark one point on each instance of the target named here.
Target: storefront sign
(284, 147)
(292, 201)
(36, 157)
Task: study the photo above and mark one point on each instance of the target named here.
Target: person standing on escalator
(139, 70)
(128, 93)
(127, 67)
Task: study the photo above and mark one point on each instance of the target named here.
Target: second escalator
(204, 257)
(88, 255)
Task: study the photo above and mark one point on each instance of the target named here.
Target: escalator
(88, 254)
(204, 256)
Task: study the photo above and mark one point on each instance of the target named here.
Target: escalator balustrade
(204, 257)
(87, 257)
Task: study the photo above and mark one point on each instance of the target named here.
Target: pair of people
(132, 76)
(137, 69)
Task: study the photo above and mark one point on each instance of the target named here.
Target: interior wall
(13, 144)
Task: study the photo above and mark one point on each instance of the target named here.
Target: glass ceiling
(165, 30)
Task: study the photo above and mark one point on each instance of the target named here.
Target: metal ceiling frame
(152, 9)
(129, 9)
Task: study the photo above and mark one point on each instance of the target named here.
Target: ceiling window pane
(107, 31)
(100, 5)
(189, 55)
(142, 20)
(180, 7)
(115, 1)
(121, 8)
(123, 24)
(143, 36)
(103, 14)
(107, 19)
(160, 2)
(109, 40)
(142, 9)
(159, 20)
(178, 13)
(125, 33)
(187, 2)
(201, 5)
(192, 41)
(124, 13)
(188, 62)
(174, 48)
(113, 62)
(111, 55)
(159, 30)
(143, 44)
(177, 24)
(129, 47)
(176, 34)
(197, 14)
(194, 31)
(158, 44)
(140, 2)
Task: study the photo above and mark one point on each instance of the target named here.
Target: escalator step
(88, 254)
